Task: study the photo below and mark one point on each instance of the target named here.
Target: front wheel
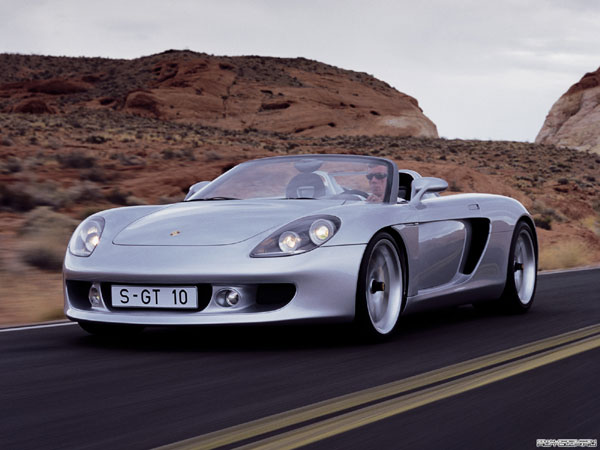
(521, 278)
(381, 286)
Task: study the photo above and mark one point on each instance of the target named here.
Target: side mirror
(195, 188)
(422, 186)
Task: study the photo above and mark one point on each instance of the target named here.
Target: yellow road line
(364, 416)
(296, 416)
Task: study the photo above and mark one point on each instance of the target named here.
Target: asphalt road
(60, 388)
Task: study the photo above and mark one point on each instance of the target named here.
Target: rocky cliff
(574, 120)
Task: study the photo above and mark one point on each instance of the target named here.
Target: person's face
(377, 177)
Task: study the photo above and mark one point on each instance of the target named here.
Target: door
(445, 234)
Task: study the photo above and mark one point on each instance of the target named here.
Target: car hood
(215, 222)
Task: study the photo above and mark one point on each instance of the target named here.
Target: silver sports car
(300, 238)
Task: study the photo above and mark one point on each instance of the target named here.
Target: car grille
(268, 296)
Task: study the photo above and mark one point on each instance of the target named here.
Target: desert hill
(574, 120)
(72, 155)
(297, 96)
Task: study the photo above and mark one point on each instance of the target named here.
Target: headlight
(321, 230)
(87, 236)
(289, 241)
(300, 236)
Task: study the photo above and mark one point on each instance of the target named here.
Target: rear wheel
(380, 289)
(110, 329)
(521, 278)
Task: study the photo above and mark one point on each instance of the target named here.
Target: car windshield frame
(211, 191)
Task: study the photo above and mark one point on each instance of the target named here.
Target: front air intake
(279, 294)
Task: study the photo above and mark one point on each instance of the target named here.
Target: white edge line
(574, 269)
(62, 324)
(35, 327)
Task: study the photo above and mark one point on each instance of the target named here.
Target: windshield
(304, 177)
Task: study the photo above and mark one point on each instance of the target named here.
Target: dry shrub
(117, 196)
(54, 144)
(43, 220)
(45, 235)
(544, 222)
(184, 154)
(96, 174)
(95, 139)
(15, 199)
(46, 193)
(564, 255)
(26, 196)
(212, 155)
(132, 200)
(544, 216)
(76, 160)
(188, 154)
(166, 200)
(84, 192)
(592, 223)
(168, 154)
(88, 212)
(453, 186)
(44, 254)
(10, 165)
(128, 160)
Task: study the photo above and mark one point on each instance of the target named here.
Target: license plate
(178, 297)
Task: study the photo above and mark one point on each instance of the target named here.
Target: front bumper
(325, 282)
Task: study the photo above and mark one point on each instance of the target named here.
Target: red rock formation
(297, 96)
(289, 96)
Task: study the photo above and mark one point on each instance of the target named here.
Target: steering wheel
(356, 192)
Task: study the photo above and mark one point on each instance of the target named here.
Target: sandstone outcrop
(296, 96)
(574, 120)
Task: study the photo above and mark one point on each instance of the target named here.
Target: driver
(377, 177)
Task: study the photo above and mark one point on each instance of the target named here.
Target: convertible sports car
(300, 238)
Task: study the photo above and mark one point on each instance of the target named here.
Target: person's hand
(372, 198)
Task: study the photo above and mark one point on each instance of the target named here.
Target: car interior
(404, 185)
(305, 185)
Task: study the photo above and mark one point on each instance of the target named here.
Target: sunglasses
(379, 176)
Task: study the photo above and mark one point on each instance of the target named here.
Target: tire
(521, 277)
(110, 329)
(381, 287)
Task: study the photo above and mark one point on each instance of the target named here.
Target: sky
(480, 69)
